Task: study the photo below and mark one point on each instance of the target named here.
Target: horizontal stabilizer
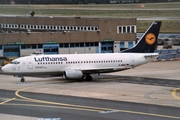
(151, 55)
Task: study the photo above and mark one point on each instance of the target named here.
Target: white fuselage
(87, 63)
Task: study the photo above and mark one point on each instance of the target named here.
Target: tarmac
(107, 88)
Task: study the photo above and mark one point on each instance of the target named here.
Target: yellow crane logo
(150, 38)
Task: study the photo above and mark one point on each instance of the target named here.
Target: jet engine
(73, 74)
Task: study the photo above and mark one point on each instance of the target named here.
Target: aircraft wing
(104, 70)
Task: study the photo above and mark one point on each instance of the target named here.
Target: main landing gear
(88, 78)
(22, 79)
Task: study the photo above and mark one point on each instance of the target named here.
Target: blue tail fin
(148, 42)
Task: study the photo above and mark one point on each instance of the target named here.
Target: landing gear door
(29, 63)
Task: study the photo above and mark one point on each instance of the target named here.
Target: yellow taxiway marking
(174, 93)
(50, 106)
(7, 101)
(92, 110)
(86, 108)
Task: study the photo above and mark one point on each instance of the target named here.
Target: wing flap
(103, 70)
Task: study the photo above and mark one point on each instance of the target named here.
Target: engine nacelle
(73, 74)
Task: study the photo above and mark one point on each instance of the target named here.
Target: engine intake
(73, 74)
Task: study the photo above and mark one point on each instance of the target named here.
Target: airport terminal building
(22, 35)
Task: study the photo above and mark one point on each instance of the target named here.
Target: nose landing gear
(22, 79)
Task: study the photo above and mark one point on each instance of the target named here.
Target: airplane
(81, 66)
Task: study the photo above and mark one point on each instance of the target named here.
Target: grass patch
(105, 10)
(170, 9)
(97, 13)
(152, 6)
(168, 26)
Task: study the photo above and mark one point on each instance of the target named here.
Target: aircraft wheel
(88, 78)
(22, 80)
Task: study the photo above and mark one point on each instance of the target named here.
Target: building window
(33, 46)
(121, 44)
(76, 44)
(126, 29)
(74, 28)
(71, 44)
(130, 44)
(81, 44)
(28, 46)
(60, 28)
(133, 29)
(50, 27)
(119, 29)
(39, 45)
(87, 44)
(66, 45)
(61, 45)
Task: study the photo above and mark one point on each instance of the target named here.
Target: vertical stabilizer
(148, 42)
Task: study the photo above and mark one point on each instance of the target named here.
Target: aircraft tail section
(148, 42)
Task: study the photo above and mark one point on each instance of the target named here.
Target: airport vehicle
(7, 61)
(167, 44)
(80, 66)
(175, 40)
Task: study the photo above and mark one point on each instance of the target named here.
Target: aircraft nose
(4, 69)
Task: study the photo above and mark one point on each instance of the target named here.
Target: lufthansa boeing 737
(81, 66)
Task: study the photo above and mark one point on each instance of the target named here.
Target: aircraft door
(29, 63)
(132, 61)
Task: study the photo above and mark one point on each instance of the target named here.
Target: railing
(171, 54)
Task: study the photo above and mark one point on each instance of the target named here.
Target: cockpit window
(14, 62)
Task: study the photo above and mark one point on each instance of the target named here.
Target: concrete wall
(90, 49)
(25, 52)
(1, 53)
(78, 50)
(64, 51)
(117, 48)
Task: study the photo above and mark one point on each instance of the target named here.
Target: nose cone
(4, 69)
